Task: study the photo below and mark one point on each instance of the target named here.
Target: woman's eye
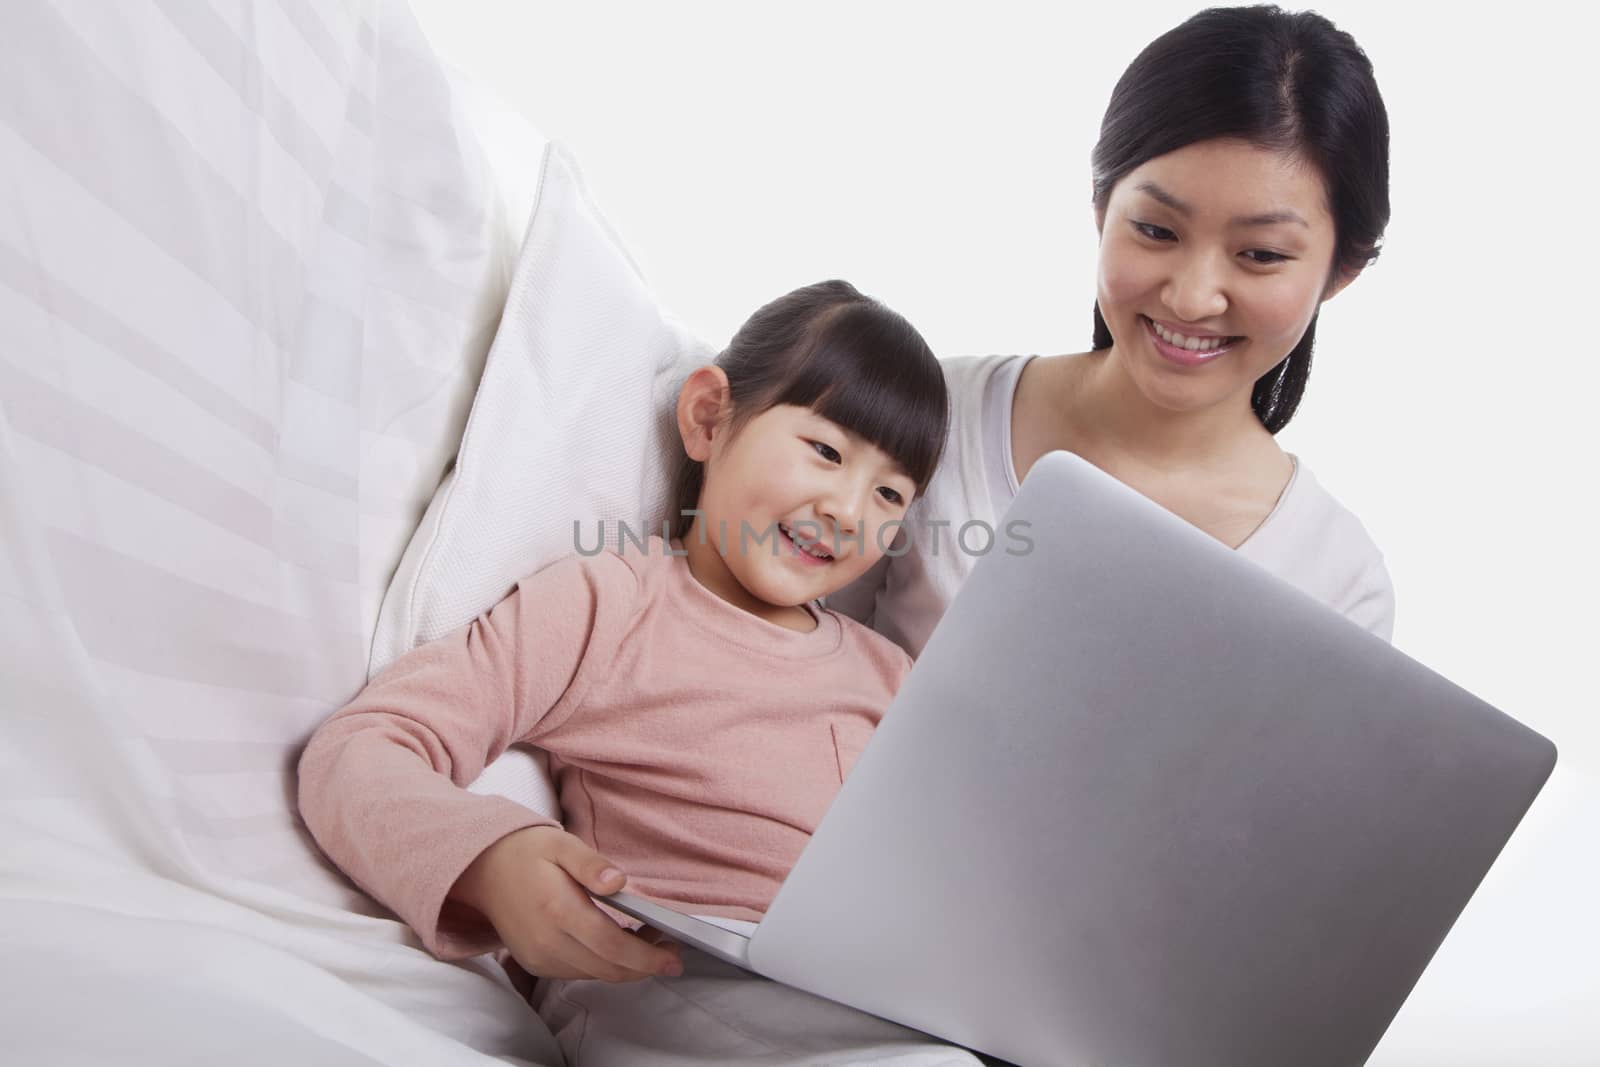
(1263, 257)
(1154, 232)
(827, 452)
(892, 496)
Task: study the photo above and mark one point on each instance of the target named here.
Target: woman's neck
(1217, 468)
(1114, 420)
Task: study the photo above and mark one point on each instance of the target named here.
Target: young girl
(700, 712)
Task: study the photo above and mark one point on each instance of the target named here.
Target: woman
(1240, 181)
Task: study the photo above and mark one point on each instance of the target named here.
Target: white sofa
(251, 259)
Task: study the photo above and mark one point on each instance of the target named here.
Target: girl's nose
(844, 504)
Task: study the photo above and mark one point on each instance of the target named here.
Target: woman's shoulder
(1314, 512)
(1316, 543)
(968, 379)
(965, 375)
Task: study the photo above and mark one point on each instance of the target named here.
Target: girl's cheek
(881, 536)
(795, 467)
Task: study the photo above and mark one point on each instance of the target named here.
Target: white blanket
(717, 1013)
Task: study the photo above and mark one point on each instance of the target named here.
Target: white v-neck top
(1308, 539)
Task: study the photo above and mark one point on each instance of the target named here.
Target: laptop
(1141, 802)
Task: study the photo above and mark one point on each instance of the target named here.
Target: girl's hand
(533, 886)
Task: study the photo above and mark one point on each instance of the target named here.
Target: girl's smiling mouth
(808, 549)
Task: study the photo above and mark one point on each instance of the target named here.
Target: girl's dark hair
(1284, 81)
(849, 359)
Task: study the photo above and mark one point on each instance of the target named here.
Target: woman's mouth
(807, 549)
(1183, 349)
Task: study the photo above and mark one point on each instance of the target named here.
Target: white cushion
(572, 423)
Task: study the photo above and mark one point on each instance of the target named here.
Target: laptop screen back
(1141, 802)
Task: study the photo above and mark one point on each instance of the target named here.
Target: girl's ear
(703, 410)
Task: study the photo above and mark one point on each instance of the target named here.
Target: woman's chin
(1178, 391)
(1176, 394)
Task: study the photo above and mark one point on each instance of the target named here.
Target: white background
(937, 156)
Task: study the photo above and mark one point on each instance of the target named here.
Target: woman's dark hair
(1285, 81)
(849, 359)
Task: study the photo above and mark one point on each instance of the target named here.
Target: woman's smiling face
(1213, 260)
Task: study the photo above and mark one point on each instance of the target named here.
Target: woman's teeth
(1193, 344)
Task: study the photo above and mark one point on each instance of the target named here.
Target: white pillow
(572, 423)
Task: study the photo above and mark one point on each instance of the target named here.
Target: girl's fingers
(652, 936)
(567, 935)
(620, 948)
(578, 956)
(590, 869)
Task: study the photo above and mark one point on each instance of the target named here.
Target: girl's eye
(1154, 232)
(827, 452)
(890, 495)
(1263, 257)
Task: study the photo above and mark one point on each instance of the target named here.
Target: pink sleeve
(382, 781)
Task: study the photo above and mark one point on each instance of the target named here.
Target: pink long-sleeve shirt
(692, 743)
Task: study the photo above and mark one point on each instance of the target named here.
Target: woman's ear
(1338, 283)
(703, 410)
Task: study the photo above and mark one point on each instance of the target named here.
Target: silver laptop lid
(1142, 803)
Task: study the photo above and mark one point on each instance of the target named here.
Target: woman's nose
(1196, 291)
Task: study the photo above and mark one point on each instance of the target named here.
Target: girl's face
(1213, 260)
(802, 502)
